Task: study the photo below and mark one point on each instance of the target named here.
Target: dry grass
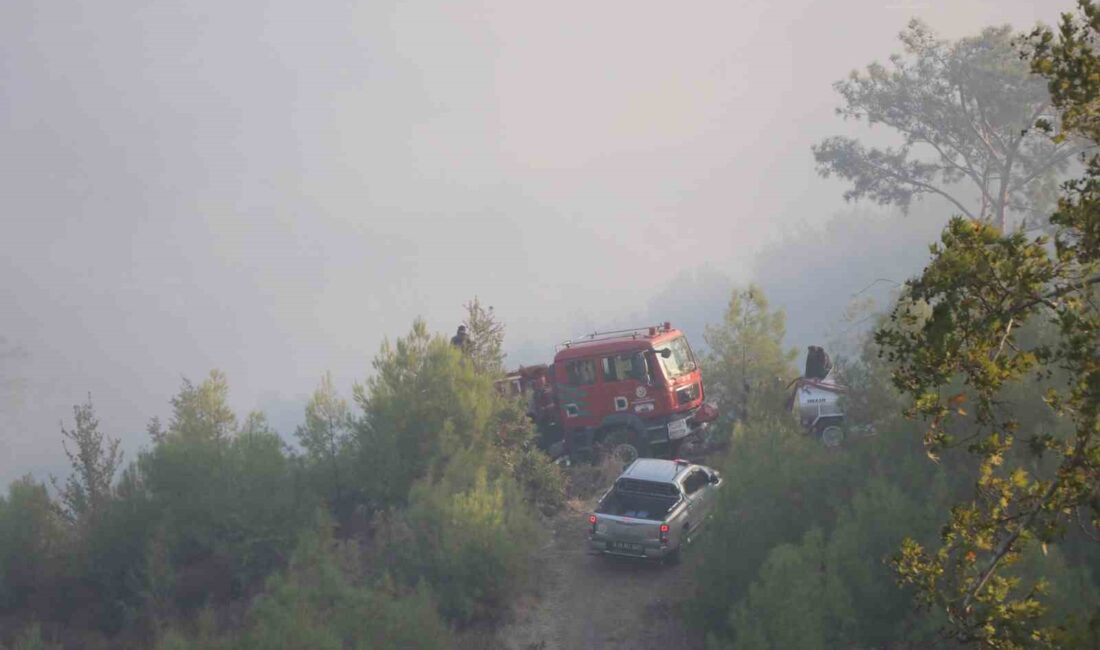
(587, 481)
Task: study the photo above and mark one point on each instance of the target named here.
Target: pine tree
(94, 458)
(326, 434)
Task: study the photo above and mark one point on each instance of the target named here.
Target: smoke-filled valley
(849, 284)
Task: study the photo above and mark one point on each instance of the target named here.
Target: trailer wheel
(832, 436)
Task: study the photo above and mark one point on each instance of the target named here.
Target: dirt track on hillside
(585, 601)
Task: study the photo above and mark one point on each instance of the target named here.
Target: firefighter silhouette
(461, 339)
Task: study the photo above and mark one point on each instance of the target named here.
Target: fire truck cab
(629, 393)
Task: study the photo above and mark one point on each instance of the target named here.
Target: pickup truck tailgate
(627, 529)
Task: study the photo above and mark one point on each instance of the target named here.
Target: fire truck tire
(621, 444)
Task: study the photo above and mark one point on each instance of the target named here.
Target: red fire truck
(629, 393)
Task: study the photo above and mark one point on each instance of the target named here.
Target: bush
(31, 639)
(835, 589)
(514, 444)
(785, 608)
(33, 540)
(468, 537)
(541, 479)
(423, 404)
(803, 534)
(314, 605)
(779, 483)
(233, 506)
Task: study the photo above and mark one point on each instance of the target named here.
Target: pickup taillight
(592, 520)
(664, 533)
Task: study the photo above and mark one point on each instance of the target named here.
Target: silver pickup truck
(653, 509)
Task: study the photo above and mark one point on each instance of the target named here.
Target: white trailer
(817, 403)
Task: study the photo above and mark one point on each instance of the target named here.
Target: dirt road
(586, 602)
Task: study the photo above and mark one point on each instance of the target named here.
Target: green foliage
(235, 499)
(965, 111)
(778, 484)
(747, 369)
(541, 479)
(94, 459)
(865, 606)
(960, 361)
(327, 438)
(797, 554)
(982, 286)
(834, 589)
(112, 560)
(200, 412)
(30, 638)
(786, 607)
(420, 407)
(32, 541)
(468, 535)
(486, 336)
(1068, 60)
(314, 604)
(515, 450)
(1070, 595)
(213, 508)
(212, 511)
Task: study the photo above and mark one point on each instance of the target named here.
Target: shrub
(314, 605)
(541, 479)
(32, 542)
(232, 505)
(469, 541)
(31, 639)
(779, 483)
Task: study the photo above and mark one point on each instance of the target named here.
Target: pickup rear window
(647, 487)
(636, 506)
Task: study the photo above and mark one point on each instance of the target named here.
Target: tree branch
(968, 169)
(926, 187)
(1048, 163)
(1006, 545)
(1001, 347)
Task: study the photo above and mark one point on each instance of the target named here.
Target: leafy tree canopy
(965, 111)
(959, 357)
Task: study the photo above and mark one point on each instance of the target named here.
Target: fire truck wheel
(625, 453)
(621, 445)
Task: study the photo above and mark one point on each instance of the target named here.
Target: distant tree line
(405, 514)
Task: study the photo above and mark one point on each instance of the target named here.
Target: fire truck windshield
(681, 361)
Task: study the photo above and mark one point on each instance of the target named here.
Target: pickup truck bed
(636, 506)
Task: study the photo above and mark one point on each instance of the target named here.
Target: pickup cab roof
(656, 470)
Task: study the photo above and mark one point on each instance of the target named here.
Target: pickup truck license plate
(677, 428)
(627, 546)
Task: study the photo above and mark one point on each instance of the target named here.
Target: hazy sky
(272, 187)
